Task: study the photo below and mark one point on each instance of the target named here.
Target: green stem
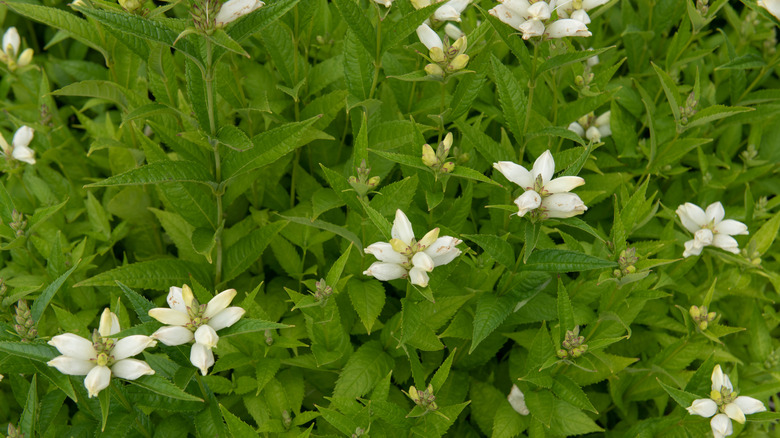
(220, 190)
(531, 88)
(378, 55)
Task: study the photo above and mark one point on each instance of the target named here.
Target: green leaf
(512, 98)
(358, 22)
(237, 428)
(368, 299)
(39, 306)
(762, 240)
(568, 420)
(744, 62)
(359, 68)
(401, 29)
(162, 386)
(233, 138)
(104, 398)
(541, 404)
(140, 304)
(327, 226)
(565, 311)
(683, 398)
(160, 172)
(97, 89)
(556, 260)
(440, 377)
(378, 220)
(491, 311)
(220, 38)
(252, 23)
(715, 112)
(364, 369)
(670, 89)
(246, 251)
(153, 274)
(36, 352)
(29, 417)
(565, 59)
(267, 147)
(557, 131)
(334, 274)
(568, 391)
(147, 111)
(497, 248)
(203, 241)
(250, 326)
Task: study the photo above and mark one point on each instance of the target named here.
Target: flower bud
(429, 156)
(434, 70)
(630, 269)
(460, 44)
(703, 325)
(130, 5)
(373, 181)
(447, 143)
(437, 54)
(25, 58)
(428, 239)
(400, 246)
(711, 316)
(459, 63)
(447, 167)
(695, 312)
(562, 353)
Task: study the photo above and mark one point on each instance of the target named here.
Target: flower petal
(731, 227)
(173, 335)
(169, 316)
(385, 271)
(692, 248)
(74, 346)
(735, 413)
(23, 136)
(71, 365)
(517, 400)
(175, 300)
(577, 129)
(715, 213)
(692, 216)
(429, 37)
(545, 166)
(384, 252)
(131, 369)
(233, 9)
(109, 323)
(131, 345)
(97, 380)
(563, 184)
(565, 28)
(528, 201)
(11, 41)
(443, 250)
(515, 173)
(219, 302)
(402, 228)
(704, 407)
(206, 335)
(717, 378)
(202, 357)
(563, 205)
(749, 405)
(726, 242)
(226, 318)
(23, 153)
(418, 277)
(721, 426)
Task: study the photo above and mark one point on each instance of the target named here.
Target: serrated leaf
(565, 59)
(557, 260)
(715, 112)
(364, 369)
(671, 91)
(565, 311)
(140, 304)
(105, 90)
(246, 251)
(540, 403)
(358, 22)
(45, 297)
(368, 299)
(440, 377)
(497, 248)
(512, 98)
(74, 26)
(327, 226)
(160, 172)
(568, 391)
(37, 352)
(234, 138)
(237, 428)
(153, 274)
(683, 398)
(491, 311)
(763, 239)
(162, 386)
(250, 326)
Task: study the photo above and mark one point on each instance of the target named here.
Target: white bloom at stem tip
(546, 197)
(10, 51)
(724, 401)
(536, 15)
(508, 15)
(591, 127)
(773, 6)
(404, 256)
(565, 28)
(19, 149)
(451, 10)
(517, 400)
(103, 356)
(429, 37)
(709, 228)
(234, 9)
(186, 321)
(453, 31)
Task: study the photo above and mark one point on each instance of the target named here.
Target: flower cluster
(544, 196)
(187, 321)
(450, 11)
(724, 401)
(437, 160)
(423, 398)
(404, 256)
(103, 356)
(444, 59)
(709, 228)
(19, 149)
(591, 127)
(10, 54)
(534, 19)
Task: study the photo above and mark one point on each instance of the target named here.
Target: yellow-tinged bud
(25, 58)
(374, 181)
(447, 167)
(576, 4)
(430, 389)
(428, 239)
(419, 4)
(400, 247)
(102, 359)
(437, 54)
(703, 325)
(429, 156)
(413, 394)
(584, 120)
(458, 63)
(186, 294)
(460, 44)
(447, 143)
(130, 5)
(715, 396)
(434, 70)
(711, 316)
(631, 269)
(695, 312)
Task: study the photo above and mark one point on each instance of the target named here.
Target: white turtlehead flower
(10, 51)
(429, 37)
(404, 256)
(565, 28)
(19, 149)
(591, 127)
(451, 10)
(577, 9)
(507, 16)
(724, 401)
(773, 6)
(103, 356)
(535, 17)
(189, 321)
(453, 31)
(233, 9)
(517, 400)
(709, 228)
(547, 197)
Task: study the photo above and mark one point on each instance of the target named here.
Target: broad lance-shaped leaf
(140, 304)
(512, 99)
(256, 21)
(670, 89)
(250, 326)
(368, 299)
(358, 22)
(160, 172)
(160, 385)
(43, 299)
(497, 248)
(404, 27)
(36, 351)
(105, 90)
(565, 59)
(364, 369)
(246, 251)
(556, 260)
(152, 274)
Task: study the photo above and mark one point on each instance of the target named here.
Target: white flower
(429, 37)
(103, 356)
(405, 257)
(453, 31)
(189, 321)
(547, 197)
(517, 400)
(709, 228)
(577, 9)
(724, 401)
(773, 6)
(451, 10)
(591, 127)
(565, 28)
(508, 16)
(233, 9)
(385, 3)
(10, 54)
(536, 15)
(593, 60)
(19, 149)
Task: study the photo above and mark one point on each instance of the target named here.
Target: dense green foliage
(265, 156)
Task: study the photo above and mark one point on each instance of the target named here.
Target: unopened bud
(460, 44)
(130, 5)
(374, 181)
(25, 58)
(428, 239)
(562, 353)
(579, 81)
(703, 325)
(631, 269)
(437, 54)
(447, 143)
(400, 246)
(429, 156)
(695, 312)
(459, 63)
(269, 339)
(447, 167)
(711, 316)
(286, 419)
(434, 70)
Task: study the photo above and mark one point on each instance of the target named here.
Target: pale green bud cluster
(626, 262)
(573, 344)
(362, 183)
(423, 398)
(25, 326)
(450, 59)
(437, 160)
(323, 291)
(701, 317)
(18, 223)
(689, 109)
